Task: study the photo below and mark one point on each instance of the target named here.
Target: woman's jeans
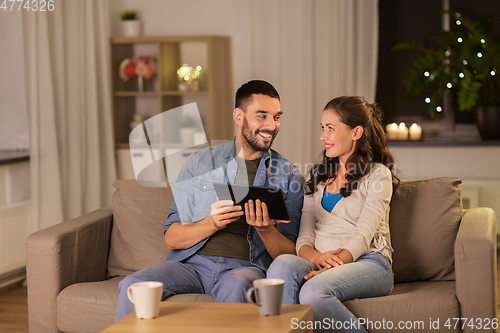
(369, 276)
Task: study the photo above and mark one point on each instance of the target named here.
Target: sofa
(444, 261)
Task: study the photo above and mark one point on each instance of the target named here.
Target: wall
(477, 166)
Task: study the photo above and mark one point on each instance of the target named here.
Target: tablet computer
(240, 194)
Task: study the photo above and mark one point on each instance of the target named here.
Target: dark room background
(401, 21)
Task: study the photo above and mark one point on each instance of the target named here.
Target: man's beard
(252, 139)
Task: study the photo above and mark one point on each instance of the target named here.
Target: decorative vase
(140, 83)
(131, 28)
(488, 122)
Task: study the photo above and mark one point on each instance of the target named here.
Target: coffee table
(210, 317)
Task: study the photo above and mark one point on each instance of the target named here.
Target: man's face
(261, 122)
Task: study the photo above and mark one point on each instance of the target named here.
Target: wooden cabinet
(214, 99)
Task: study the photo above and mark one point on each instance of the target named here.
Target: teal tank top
(330, 200)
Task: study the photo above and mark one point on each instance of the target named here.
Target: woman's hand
(314, 273)
(326, 260)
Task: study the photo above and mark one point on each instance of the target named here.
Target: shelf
(184, 93)
(169, 145)
(162, 39)
(159, 93)
(136, 93)
(443, 143)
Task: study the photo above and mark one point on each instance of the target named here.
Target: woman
(344, 248)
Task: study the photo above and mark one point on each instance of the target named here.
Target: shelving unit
(214, 98)
(212, 52)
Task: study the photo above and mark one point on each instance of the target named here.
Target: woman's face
(339, 138)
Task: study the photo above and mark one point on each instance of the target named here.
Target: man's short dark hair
(250, 88)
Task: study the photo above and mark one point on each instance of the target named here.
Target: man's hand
(275, 242)
(224, 212)
(258, 215)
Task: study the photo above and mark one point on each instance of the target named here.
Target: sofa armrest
(476, 264)
(71, 252)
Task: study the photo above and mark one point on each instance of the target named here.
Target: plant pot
(488, 122)
(131, 28)
(187, 134)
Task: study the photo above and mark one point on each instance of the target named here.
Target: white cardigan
(358, 223)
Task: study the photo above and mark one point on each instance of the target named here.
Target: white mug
(268, 295)
(146, 297)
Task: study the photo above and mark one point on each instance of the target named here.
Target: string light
(449, 85)
(479, 54)
(427, 100)
(439, 109)
(461, 75)
(458, 22)
(460, 40)
(492, 73)
(426, 74)
(465, 62)
(483, 41)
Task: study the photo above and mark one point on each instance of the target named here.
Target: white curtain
(70, 110)
(313, 51)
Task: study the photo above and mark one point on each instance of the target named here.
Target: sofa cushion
(137, 239)
(87, 307)
(424, 220)
(91, 306)
(418, 304)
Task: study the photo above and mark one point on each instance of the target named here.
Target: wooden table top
(210, 317)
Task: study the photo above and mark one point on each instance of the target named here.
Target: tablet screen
(240, 194)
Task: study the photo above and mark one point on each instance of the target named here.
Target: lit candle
(415, 132)
(392, 131)
(403, 132)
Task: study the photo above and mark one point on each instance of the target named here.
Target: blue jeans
(369, 276)
(226, 279)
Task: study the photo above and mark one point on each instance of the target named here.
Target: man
(214, 249)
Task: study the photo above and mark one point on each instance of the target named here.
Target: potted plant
(187, 129)
(466, 61)
(130, 24)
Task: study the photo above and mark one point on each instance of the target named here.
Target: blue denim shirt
(194, 194)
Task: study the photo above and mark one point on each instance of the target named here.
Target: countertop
(13, 156)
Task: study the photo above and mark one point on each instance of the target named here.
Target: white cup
(146, 297)
(268, 295)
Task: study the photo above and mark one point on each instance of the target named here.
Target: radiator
(15, 226)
